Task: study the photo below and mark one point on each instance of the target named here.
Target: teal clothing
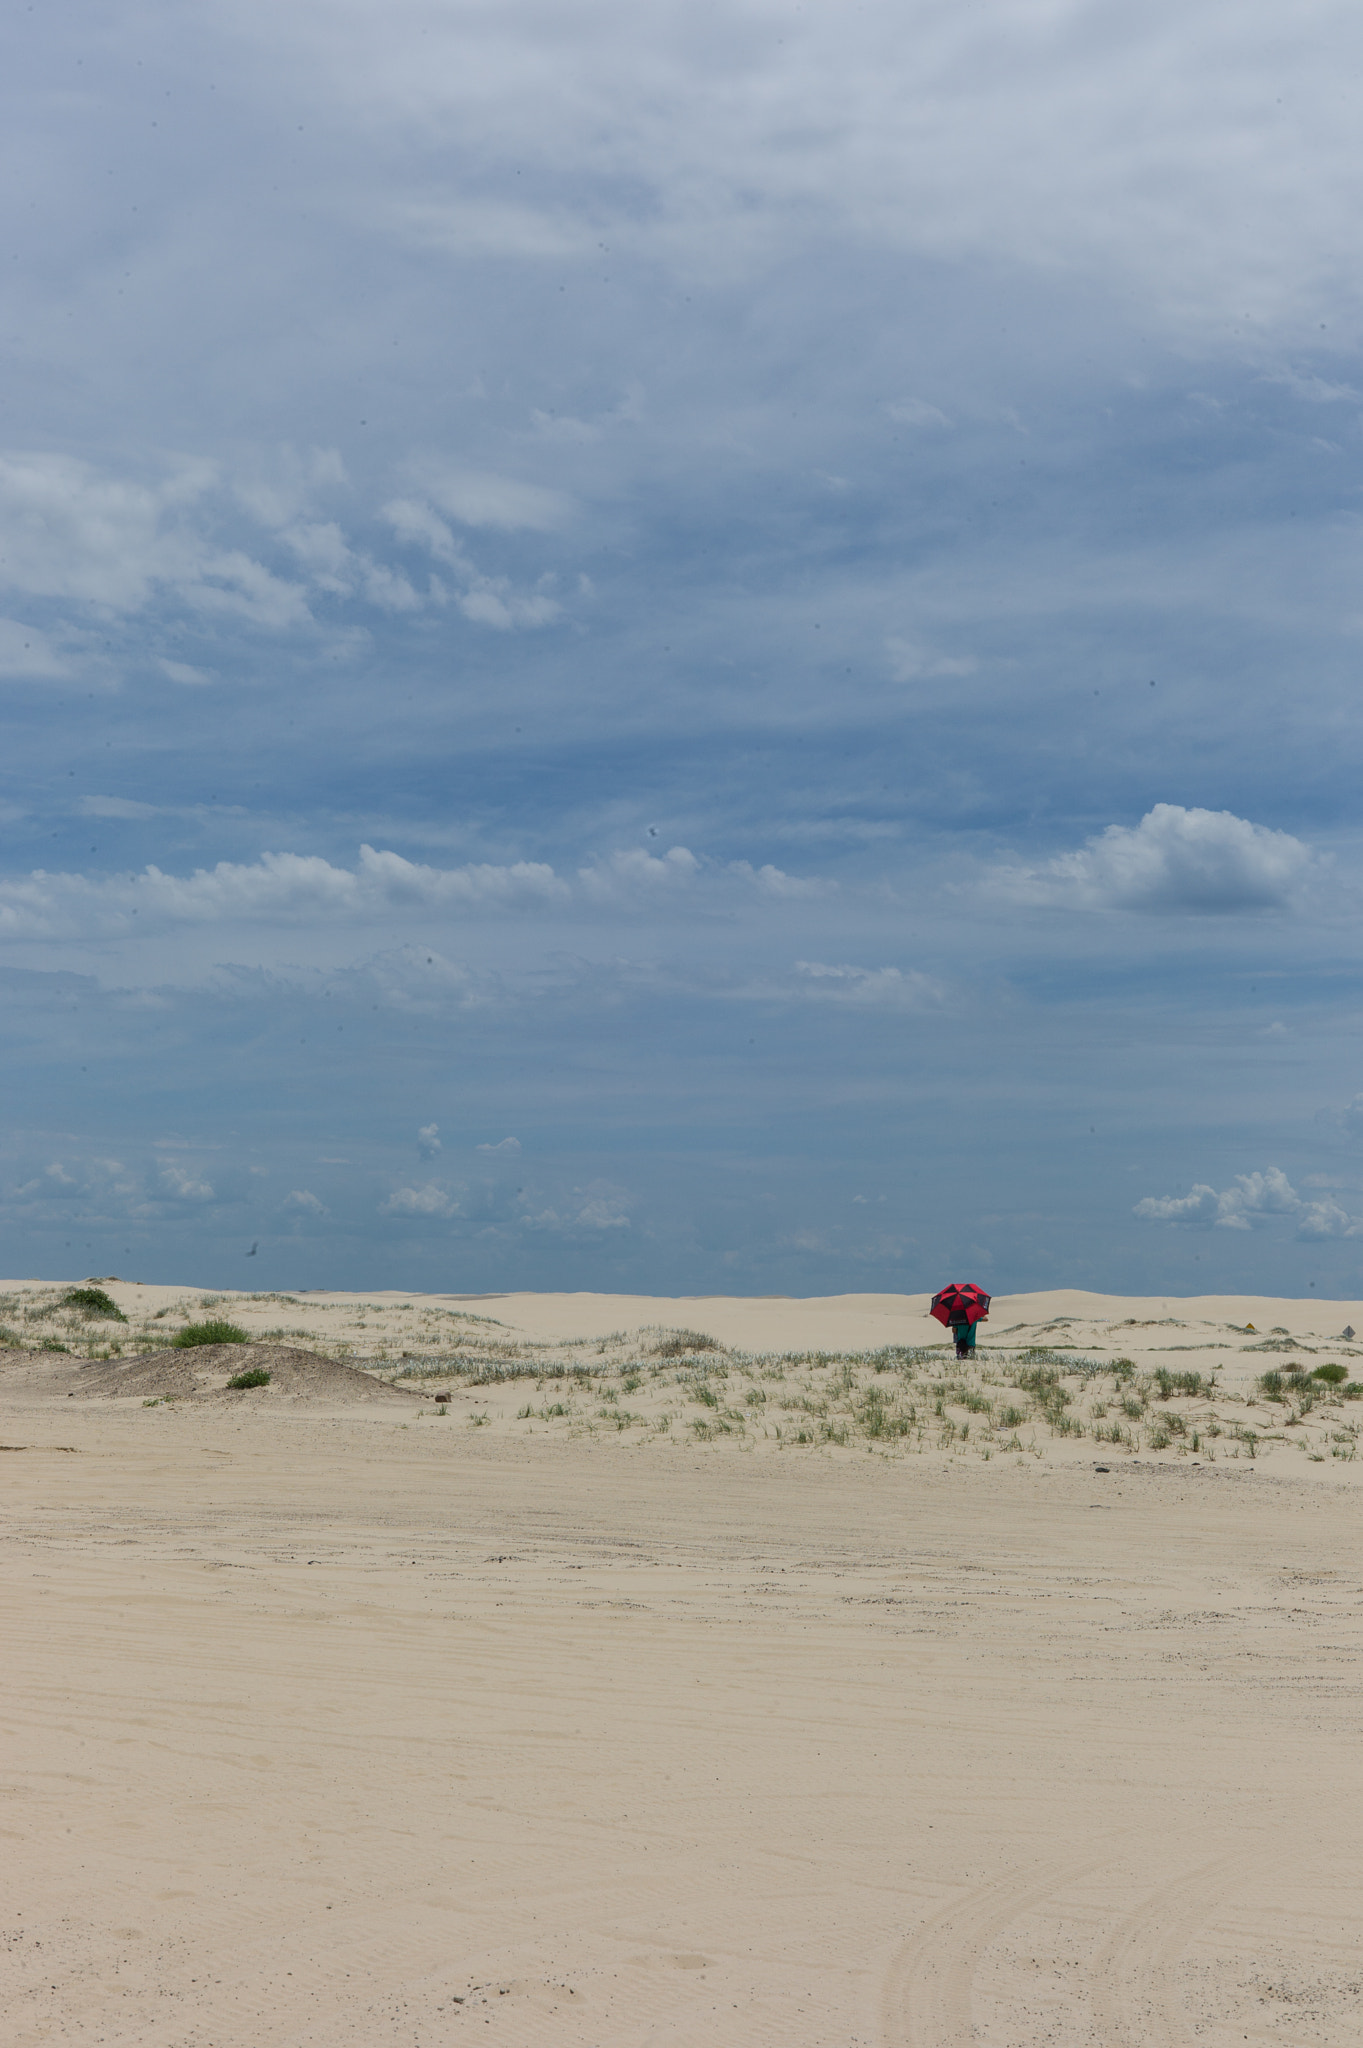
(964, 1333)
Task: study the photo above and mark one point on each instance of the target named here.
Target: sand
(327, 1721)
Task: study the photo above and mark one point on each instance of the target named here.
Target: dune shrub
(1333, 1375)
(210, 1333)
(93, 1301)
(256, 1377)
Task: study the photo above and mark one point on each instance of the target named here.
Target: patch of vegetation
(1035, 1355)
(93, 1301)
(683, 1343)
(1168, 1383)
(53, 1344)
(256, 1377)
(1333, 1375)
(210, 1333)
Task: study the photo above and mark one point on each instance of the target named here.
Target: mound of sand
(201, 1373)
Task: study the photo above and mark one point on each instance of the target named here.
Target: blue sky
(691, 648)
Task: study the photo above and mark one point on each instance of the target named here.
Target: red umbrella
(961, 1303)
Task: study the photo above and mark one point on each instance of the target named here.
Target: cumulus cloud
(506, 1145)
(632, 870)
(285, 890)
(185, 1186)
(304, 1203)
(1174, 860)
(280, 887)
(1252, 1197)
(430, 1200)
(428, 1140)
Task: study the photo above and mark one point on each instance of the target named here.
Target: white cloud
(1020, 135)
(305, 1203)
(280, 887)
(486, 226)
(428, 1140)
(115, 807)
(430, 1200)
(591, 1210)
(184, 673)
(1253, 1196)
(184, 1185)
(1175, 859)
(66, 531)
(631, 871)
(916, 412)
(865, 987)
(293, 890)
(506, 1145)
(477, 498)
(909, 661)
(485, 600)
(774, 881)
(27, 653)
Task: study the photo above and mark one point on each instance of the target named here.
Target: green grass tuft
(210, 1333)
(256, 1377)
(1333, 1375)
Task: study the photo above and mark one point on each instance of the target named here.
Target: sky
(702, 648)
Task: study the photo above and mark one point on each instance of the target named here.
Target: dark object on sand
(210, 1333)
(441, 1397)
(95, 1302)
(960, 1307)
(1348, 1333)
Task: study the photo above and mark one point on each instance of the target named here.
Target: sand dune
(329, 1723)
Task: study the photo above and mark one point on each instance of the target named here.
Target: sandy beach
(723, 1670)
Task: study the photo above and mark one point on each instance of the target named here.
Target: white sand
(322, 1719)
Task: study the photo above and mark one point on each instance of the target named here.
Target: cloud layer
(813, 553)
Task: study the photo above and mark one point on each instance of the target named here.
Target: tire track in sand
(1136, 2002)
(925, 2002)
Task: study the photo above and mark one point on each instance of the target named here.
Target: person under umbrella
(961, 1306)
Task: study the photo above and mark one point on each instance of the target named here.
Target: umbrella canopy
(961, 1303)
